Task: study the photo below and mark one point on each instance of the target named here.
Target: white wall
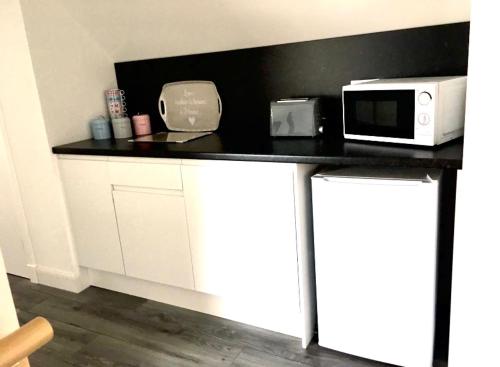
(475, 319)
(35, 166)
(72, 67)
(15, 242)
(74, 43)
(8, 316)
(139, 29)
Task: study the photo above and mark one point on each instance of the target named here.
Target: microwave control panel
(424, 112)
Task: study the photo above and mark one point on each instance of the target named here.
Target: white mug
(121, 128)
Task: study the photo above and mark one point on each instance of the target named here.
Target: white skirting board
(69, 281)
(259, 313)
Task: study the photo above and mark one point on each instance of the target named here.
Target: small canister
(121, 128)
(142, 124)
(100, 128)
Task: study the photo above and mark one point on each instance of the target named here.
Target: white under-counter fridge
(375, 239)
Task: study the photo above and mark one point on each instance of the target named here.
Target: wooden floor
(103, 328)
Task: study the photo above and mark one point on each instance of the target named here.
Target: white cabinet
(242, 230)
(90, 204)
(231, 238)
(154, 237)
(128, 217)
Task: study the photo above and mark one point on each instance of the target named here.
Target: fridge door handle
(376, 181)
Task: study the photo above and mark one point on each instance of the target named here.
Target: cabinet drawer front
(139, 174)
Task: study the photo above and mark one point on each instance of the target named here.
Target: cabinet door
(90, 205)
(242, 230)
(154, 236)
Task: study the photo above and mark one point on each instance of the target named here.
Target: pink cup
(142, 124)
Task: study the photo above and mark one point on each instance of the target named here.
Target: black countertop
(291, 150)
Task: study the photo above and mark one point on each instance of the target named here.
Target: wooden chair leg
(17, 346)
(23, 363)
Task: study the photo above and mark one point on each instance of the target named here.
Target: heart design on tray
(192, 120)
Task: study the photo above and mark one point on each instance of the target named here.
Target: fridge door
(375, 248)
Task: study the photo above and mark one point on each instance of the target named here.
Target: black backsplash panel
(248, 79)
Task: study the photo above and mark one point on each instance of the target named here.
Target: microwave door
(381, 113)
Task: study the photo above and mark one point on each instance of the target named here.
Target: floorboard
(98, 327)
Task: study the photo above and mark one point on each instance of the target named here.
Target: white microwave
(420, 111)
